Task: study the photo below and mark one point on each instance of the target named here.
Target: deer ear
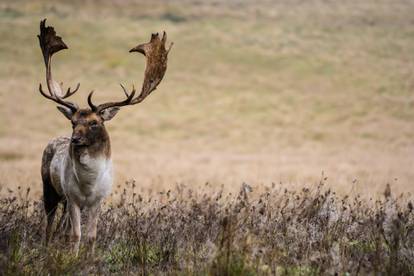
(66, 111)
(109, 113)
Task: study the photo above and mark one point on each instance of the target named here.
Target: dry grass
(257, 92)
(208, 232)
(275, 91)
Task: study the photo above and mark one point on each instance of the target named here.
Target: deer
(77, 171)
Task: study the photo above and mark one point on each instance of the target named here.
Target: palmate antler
(50, 43)
(156, 55)
(155, 52)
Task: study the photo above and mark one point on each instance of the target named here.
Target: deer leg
(50, 213)
(92, 223)
(64, 218)
(51, 200)
(75, 223)
(64, 224)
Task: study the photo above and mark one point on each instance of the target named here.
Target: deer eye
(93, 123)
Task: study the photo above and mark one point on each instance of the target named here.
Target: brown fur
(98, 138)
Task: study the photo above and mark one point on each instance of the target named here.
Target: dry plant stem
(205, 231)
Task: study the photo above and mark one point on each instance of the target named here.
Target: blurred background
(259, 92)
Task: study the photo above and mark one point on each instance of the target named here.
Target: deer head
(88, 123)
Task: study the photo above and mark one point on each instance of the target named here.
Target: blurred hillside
(262, 92)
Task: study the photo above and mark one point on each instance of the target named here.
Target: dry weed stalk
(186, 231)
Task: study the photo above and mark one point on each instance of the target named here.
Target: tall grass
(301, 86)
(184, 231)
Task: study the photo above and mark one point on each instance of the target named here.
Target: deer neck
(90, 162)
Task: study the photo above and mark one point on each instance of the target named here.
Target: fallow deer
(78, 170)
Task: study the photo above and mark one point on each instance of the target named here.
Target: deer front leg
(64, 223)
(49, 226)
(92, 223)
(75, 223)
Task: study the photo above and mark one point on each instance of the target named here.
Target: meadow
(256, 92)
(273, 95)
(186, 231)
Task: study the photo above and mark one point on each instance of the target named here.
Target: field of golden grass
(256, 92)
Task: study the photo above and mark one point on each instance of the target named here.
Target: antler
(156, 55)
(50, 43)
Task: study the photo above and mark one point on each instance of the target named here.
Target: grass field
(305, 101)
(274, 91)
(206, 231)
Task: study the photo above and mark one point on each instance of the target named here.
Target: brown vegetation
(184, 231)
(256, 91)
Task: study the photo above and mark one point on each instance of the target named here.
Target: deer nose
(75, 139)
